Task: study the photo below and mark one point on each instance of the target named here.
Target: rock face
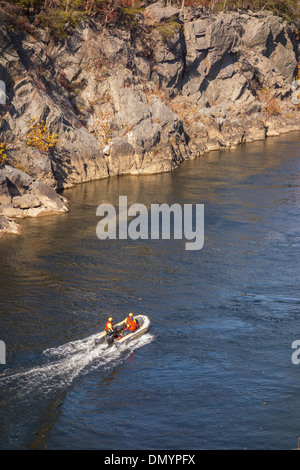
(188, 83)
(238, 76)
(22, 196)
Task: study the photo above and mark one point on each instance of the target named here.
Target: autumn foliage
(2, 154)
(39, 136)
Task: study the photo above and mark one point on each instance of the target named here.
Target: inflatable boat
(122, 335)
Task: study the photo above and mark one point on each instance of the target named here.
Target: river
(215, 371)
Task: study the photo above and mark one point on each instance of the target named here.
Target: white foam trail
(70, 348)
(66, 362)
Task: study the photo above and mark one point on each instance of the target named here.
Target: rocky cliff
(128, 102)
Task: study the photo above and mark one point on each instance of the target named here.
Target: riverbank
(139, 100)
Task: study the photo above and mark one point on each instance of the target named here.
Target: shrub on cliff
(39, 137)
(168, 29)
(2, 154)
(62, 16)
(287, 9)
(60, 22)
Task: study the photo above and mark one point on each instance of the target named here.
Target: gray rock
(26, 201)
(28, 196)
(162, 114)
(121, 157)
(158, 12)
(5, 196)
(7, 225)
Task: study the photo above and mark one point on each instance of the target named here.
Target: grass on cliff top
(289, 10)
(62, 16)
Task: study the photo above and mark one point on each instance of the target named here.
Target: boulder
(158, 13)
(27, 197)
(8, 225)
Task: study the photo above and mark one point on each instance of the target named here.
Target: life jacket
(132, 325)
(109, 326)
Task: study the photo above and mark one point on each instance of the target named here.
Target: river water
(215, 370)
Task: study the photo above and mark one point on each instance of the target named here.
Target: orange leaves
(298, 71)
(2, 154)
(39, 136)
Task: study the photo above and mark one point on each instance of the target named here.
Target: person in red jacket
(131, 323)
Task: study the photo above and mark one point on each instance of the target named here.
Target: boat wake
(61, 365)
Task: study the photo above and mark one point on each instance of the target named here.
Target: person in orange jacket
(131, 323)
(109, 327)
(128, 319)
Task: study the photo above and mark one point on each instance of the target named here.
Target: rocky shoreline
(124, 103)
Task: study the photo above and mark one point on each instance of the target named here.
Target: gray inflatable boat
(121, 335)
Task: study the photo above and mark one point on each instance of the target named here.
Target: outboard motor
(116, 333)
(110, 340)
